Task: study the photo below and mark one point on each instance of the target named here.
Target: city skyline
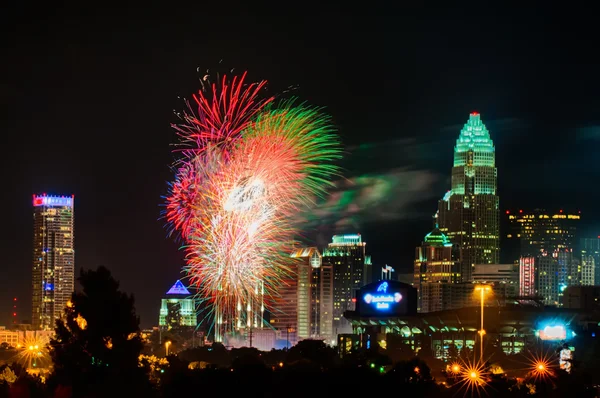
(397, 147)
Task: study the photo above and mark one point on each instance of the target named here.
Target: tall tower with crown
(469, 213)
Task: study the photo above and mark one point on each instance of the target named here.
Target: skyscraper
(546, 242)
(469, 214)
(177, 309)
(314, 295)
(434, 263)
(590, 254)
(539, 231)
(346, 254)
(53, 279)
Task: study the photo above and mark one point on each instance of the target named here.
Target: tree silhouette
(313, 350)
(97, 345)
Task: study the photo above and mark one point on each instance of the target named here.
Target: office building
(582, 297)
(314, 295)
(590, 253)
(527, 277)
(588, 271)
(346, 254)
(539, 231)
(550, 239)
(434, 263)
(53, 272)
(504, 278)
(468, 214)
(177, 309)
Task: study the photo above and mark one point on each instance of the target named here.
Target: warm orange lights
(472, 376)
(541, 368)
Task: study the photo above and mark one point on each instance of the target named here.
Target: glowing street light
(472, 376)
(167, 344)
(541, 367)
(483, 289)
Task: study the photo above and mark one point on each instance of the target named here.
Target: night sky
(87, 98)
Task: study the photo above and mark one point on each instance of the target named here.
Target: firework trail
(248, 169)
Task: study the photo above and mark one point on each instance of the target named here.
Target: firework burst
(248, 171)
(223, 110)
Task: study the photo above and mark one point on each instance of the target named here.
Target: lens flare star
(541, 368)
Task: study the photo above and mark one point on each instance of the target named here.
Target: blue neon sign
(53, 201)
(382, 300)
(48, 286)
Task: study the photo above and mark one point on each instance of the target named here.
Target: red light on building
(520, 211)
(507, 212)
(474, 113)
(561, 210)
(354, 300)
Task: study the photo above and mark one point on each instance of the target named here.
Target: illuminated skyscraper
(590, 253)
(434, 263)
(53, 279)
(527, 276)
(546, 244)
(468, 214)
(314, 295)
(539, 231)
(177, 309)
(351, 271)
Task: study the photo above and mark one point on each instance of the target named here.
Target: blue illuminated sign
(48, 286)
(53, 201)
(382, 300)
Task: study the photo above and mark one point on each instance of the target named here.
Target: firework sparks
(236, 193)
(224, 109)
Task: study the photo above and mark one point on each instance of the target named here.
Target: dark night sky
(86, 99)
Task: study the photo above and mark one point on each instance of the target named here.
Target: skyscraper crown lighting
(52, 200)
(476, 137)
(437, 238)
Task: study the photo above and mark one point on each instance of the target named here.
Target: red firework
(223, 111)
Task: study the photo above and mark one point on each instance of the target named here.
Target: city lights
(472, 376)
(482, 289)
(541, 368)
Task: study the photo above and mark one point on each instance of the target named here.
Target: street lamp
(167, 344)
(483, 289)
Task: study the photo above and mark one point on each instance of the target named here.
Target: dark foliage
(96, 348)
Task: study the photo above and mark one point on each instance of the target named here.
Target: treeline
(98, 352)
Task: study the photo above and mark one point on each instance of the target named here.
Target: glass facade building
(351, 270)
(53, 271)
(177, 309)
(434, 264)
